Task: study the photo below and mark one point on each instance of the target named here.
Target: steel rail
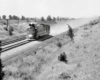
(3, 43)
(13, 46)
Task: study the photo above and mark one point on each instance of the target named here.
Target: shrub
(70, 32)
(63, 57)
(94, 22)
(64, 76)
(59, 44)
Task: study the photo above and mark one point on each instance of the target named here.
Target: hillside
(82, 61)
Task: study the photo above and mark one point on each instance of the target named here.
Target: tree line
(12, 17)
(49, 18)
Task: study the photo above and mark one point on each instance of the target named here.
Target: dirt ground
(62, 59)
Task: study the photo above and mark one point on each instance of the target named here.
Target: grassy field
(80, 60)
(19, 28)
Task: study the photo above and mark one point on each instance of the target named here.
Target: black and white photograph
(50, 39)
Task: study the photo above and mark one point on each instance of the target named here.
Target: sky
(55, 8)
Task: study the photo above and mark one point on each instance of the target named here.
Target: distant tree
(10, 17)
(42, 19)
(15, 17)
(54, 18)
(49, 18)
(23, 18)
(0, 17)
(4, 17)
(32, 18)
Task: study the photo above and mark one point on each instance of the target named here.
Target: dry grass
(83, 59)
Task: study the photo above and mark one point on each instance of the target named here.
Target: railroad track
(22, 42)
(3, 43)
(11, 46)
(6, 60)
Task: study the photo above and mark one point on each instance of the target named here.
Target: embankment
(80, 60)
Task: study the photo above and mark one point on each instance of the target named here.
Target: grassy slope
(83, 59)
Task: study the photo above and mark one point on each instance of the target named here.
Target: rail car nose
(30, 37)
